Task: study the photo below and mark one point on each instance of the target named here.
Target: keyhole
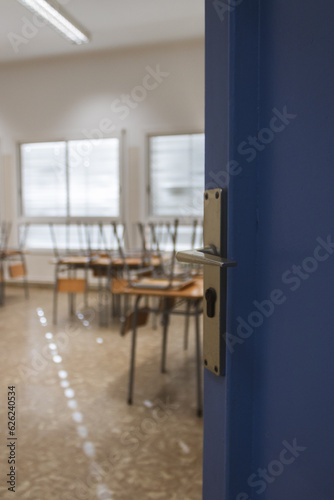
(211, 297)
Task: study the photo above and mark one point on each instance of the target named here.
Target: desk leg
(186, 326)
(155, 315)
(165, 322)
(55, 296)
(198, 362)
(133, 351)
(71, 296)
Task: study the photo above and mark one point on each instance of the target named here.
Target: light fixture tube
(57, 19)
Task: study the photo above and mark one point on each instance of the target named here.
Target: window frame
(184, 219)
(69, 219)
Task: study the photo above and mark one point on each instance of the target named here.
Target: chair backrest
(23, 235)
(156, 238)
(54, 241)
(5, 229)
(119, 232)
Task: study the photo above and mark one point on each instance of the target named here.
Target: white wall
(63, 97)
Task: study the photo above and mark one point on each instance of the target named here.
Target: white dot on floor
(69, 393)
(77, 417)
(72, 404)
(65, 383)
(82, 431)
(62, 374)
(49, 336)
(89, 449)
(53, 347)
(99, 341)
(184, 447)
(43, 321)
(57, 359)
(103, 492)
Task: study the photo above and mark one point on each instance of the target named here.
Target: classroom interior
(101, 184)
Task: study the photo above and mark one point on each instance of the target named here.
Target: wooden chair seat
(16, 270)
(71, 285)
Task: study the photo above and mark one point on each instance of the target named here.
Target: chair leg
(25, 281)
(113, 305)
(71, 304)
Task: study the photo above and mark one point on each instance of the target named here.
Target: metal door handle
(214, 259)
(207, 256)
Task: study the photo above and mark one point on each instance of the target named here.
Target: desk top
(134, 262)
(72, 259)
(193, 291)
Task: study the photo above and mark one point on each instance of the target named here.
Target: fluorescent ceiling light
(51, 13)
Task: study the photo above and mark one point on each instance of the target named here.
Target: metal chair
(14, 258)
(68, 265)
(108, 241)
(5, 228)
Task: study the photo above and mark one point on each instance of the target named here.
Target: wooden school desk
(192, 295)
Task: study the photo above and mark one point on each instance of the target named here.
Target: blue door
(269, 423)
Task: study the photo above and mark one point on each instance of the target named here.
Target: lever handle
(206, 256)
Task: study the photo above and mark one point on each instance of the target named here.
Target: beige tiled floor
(88, 443)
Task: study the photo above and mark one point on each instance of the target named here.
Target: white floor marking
(184, 447)
(69, 393)
(62, 374)
(89, 449)
(82, 431)
(77, 417)
(72, 404)
(103, 492)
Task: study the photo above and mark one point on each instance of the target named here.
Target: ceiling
(112, 24)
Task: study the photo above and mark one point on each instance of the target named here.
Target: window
(70, 179)
(176, 164)
(94, 178)
(44, 179)
(67, 181)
